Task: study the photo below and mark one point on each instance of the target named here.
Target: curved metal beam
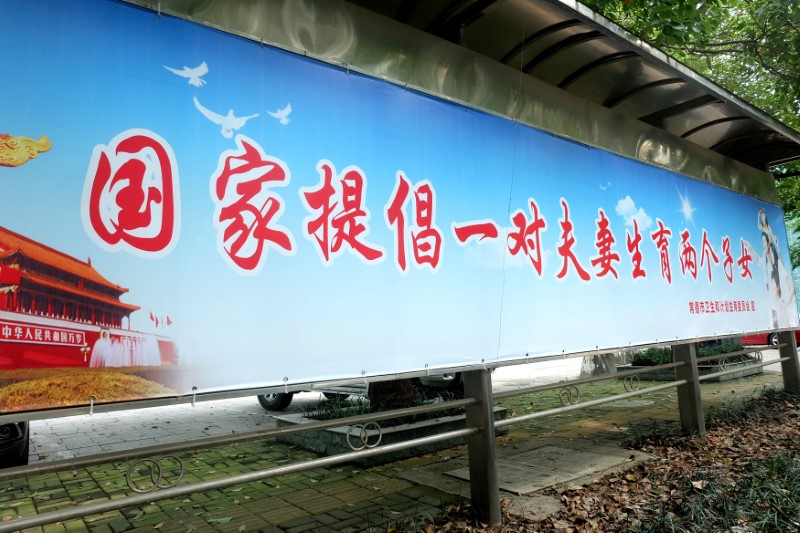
(613, 101)
(657, 118)
(544, 32)
(744, 136)
(712, 124)
(605, 60)
(560, 46)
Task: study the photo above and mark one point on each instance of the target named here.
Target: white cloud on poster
(626, 208)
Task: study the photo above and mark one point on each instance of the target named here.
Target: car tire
(457, 385)
(772, 339)
(15, 454)
(23, 458)
(276, 401)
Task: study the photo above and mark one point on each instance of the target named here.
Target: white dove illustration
(282, 114)
(193, 74)
(229, 123)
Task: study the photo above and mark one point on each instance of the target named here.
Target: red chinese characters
(131, 195)
(661, 239)
(565, 247)
(246, 210)
(131, 202)
(707, 255)
(339, 215)
(688, 255)
(426, 238)
(525, 237)
(479, 230)
(727, 259)
(604, 243)
(721, 306)
(744, 262)
(633, 243)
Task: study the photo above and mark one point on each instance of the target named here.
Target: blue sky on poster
(90, 70)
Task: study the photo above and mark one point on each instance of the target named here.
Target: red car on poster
(769, 338)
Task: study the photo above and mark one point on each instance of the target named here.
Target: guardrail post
(483, 485)
(790, 368)
(690, 404)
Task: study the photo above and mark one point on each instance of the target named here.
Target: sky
(91, 73)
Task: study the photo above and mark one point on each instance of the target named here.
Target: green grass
(758, 406)
(764, 498)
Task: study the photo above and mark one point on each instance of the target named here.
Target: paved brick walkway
(341, 498)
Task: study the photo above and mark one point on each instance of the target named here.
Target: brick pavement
(343, 498)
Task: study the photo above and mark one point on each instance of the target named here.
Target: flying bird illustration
(229, 123)
(194, 74)
(282, 114)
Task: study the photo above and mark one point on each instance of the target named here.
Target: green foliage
(759, 406)
(662, 356)
(336, 407)
(652, 357)
(718, 348)
(767, 498)
(665, 23)
(789, 195)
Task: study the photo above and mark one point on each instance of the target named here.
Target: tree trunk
(393, 394)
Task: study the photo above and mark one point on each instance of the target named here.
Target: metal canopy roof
(566, 45)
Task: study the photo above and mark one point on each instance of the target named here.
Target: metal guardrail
(163, 483)
(222, 440)
(582, 381)
(591, 403)
(706, 377)
(745, 351)
(185, 490)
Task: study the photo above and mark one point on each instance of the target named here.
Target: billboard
(183, 209)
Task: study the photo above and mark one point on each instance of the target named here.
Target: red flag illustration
(152, 318)
(156, 319)
(169, 322)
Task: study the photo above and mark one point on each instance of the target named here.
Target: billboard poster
(182, 208)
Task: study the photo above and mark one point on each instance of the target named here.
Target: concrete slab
(518, 479)
(550, 465)
(537, 506)
(568, 460)
(430, 478)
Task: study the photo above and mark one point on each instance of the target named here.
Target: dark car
(450, 381)
(14, 444)
(770, 339)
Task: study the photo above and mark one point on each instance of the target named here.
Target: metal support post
(690, 404)
(791, 367)
(484, 489)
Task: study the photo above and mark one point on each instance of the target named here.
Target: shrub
(662, 356)
(717, 348)
(652, 357)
